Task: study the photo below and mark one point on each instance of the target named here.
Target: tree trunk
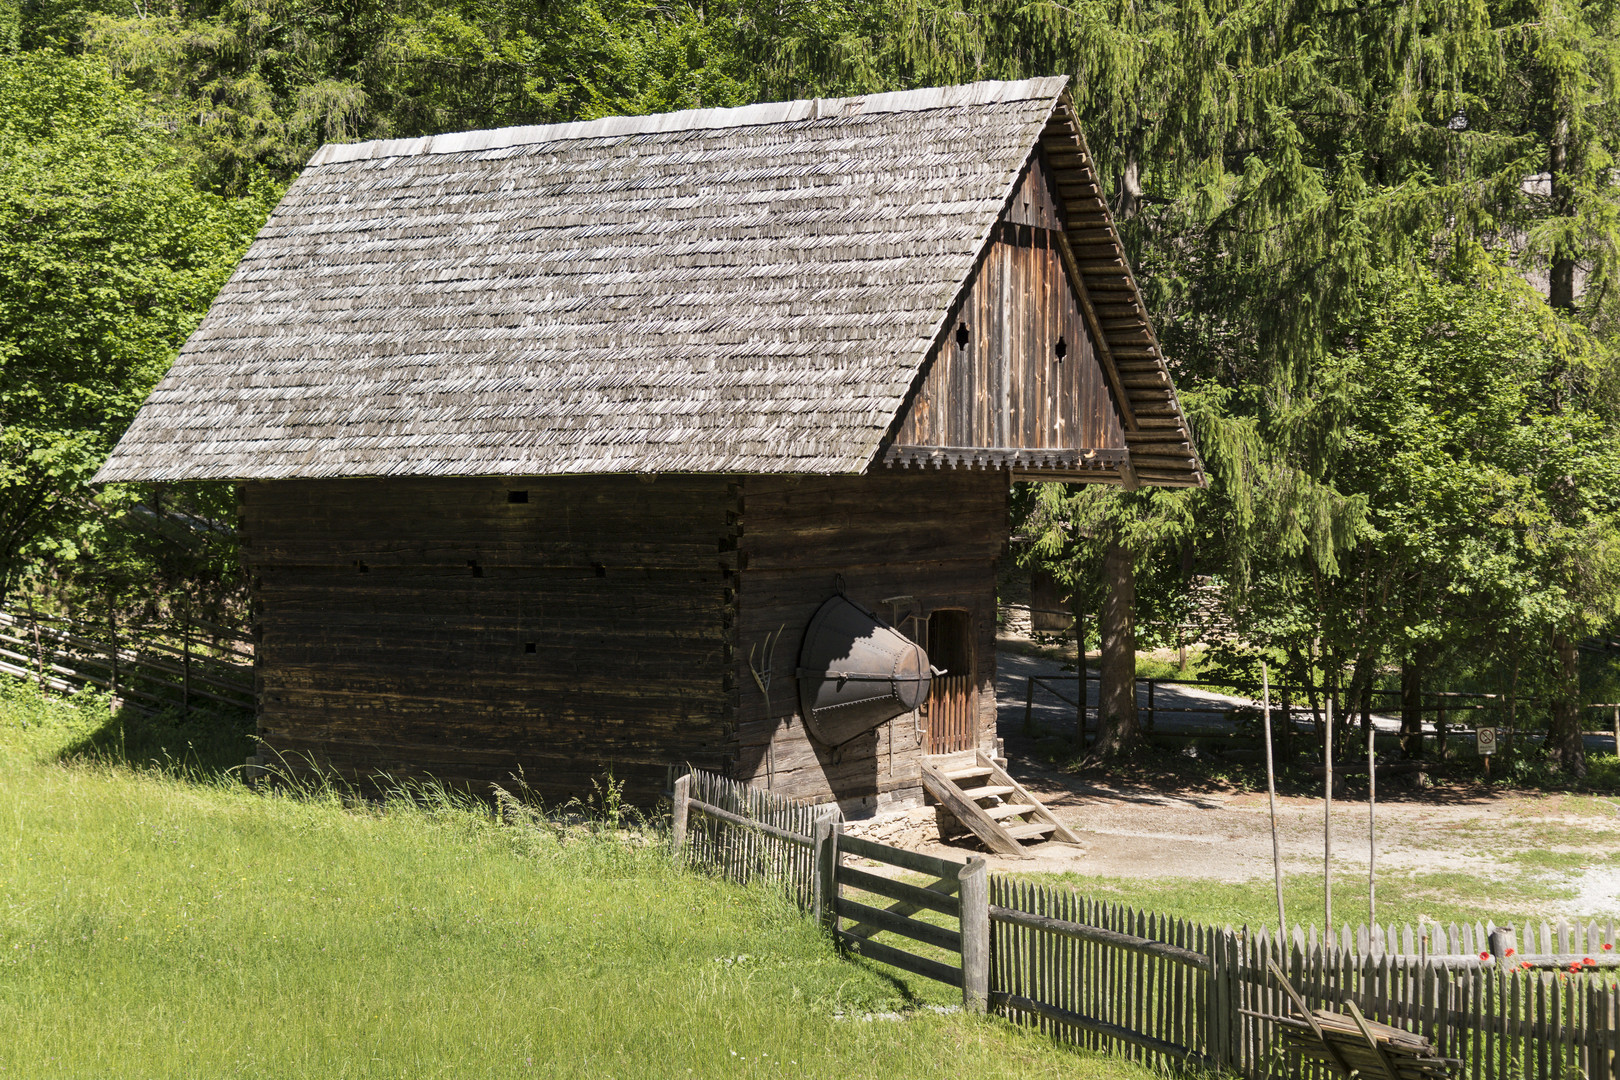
(1411, 707)
(1361, 678)
(1561, 274)
(1117, 728)
(1566, 750)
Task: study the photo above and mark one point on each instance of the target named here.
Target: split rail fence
(1289, 707)
(1527, 1003)
(150, 668)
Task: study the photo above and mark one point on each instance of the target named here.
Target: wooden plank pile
(1356, 1046)
(1371, 1049)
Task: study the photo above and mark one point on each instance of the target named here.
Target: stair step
(968, 773)
(1006, 810)
(977, 793)
(1033, 830)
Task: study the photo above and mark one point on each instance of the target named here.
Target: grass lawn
(154, 924)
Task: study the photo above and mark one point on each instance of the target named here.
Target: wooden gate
(959, 891)
(951, 709)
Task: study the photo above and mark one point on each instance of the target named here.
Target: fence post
(1224, 1021)
(1151, 710)
(39, 649)
(677, 831)
(1609, 1054)
(185, 664)
(112, 649)
(826, 856)
(975, 897)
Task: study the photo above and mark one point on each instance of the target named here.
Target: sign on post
(1485, 741)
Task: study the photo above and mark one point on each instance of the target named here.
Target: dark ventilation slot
(601, 571)
(962, 335)
(528, 647)
(362, 567)
(517, 496)
(477, 571)
(1062, 349)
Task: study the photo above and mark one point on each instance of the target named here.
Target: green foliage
(1487, 461)
(263, 86)
(109, 255)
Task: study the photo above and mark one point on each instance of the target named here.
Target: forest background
(1380, 240)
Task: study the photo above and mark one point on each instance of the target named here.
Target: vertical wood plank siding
(395, 619)
(952, 721)
(933, 536)
(1006, 386)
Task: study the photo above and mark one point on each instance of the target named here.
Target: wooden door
(953, 700)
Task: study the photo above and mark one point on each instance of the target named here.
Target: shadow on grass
(206, 744)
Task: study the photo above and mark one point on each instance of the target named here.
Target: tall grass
(173, 923)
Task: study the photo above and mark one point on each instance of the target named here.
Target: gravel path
(1219, 834)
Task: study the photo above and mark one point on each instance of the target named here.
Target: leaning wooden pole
(1271, 794)
(1372, 825)
(1327, 826)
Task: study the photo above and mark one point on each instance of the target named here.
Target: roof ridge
(939, 97)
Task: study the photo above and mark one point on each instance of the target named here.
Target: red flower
(1607, 946)
(1587, 961)
(1525, 964)
(1510, 952)
(1484, 956)
(1574, 967)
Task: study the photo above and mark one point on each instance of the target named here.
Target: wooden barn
(553, 441)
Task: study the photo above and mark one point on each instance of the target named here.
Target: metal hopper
(856, 671)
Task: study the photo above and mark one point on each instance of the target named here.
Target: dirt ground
(1165, 828)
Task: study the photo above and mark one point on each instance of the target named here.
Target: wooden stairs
(990, 804)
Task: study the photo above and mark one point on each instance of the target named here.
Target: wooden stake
(678, 817)
(975, 898)
(1372, 824)
(1327, 826)
(1271, 794)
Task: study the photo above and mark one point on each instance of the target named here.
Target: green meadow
(164, 920)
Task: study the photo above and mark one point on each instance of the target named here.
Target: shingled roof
(732, 290)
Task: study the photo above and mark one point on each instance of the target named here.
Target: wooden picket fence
(1501, 1003)
(1494, 1018)
(746, 834)
(1103, 976)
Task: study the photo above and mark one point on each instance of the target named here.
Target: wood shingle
(736, 291)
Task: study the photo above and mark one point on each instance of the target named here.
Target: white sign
(1485, 739)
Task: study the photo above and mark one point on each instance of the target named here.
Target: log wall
(934, 536)
(436, 627)
(997, 379)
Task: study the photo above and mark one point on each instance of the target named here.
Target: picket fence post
(1225, 1023)
(678, 816)
(975, 898)
(826, 859)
